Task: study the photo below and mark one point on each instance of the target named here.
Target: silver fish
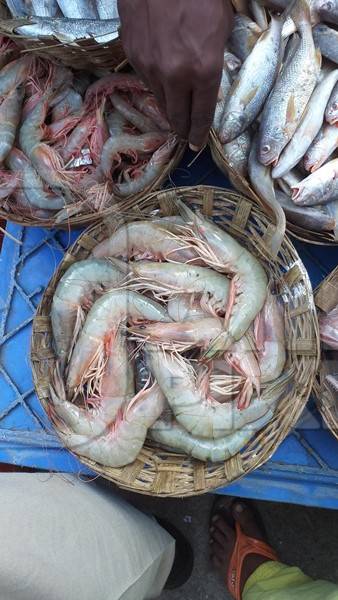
(225, 86)
(326, 39)
(18, 8)
(331, 111)
(45, 8)
(327, 10)
(309, 126)
(78, 9)
(290, 179)
(237, 153)
(107, 9)
(262, 183)
(244, 36)
(295, 84)
(317, 218)
(253, 84)
(320, 151)
(318, 188)
(69, 30)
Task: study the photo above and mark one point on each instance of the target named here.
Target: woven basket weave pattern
(162, 473)
(326, 298)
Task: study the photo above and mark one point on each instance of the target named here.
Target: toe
(247, 520)
(221, 524)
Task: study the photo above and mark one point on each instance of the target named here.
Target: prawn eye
(266, 148)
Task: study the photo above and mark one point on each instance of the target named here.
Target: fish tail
(300, 13)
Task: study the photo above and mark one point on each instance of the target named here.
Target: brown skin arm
(177, 47)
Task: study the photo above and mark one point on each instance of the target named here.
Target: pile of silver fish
(277, 111)
(70, 143)
(168, 330)
(67, 20)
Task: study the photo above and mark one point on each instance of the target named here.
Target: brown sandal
(244, 546)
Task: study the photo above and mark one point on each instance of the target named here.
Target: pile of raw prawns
(169, 330)
(73, 143)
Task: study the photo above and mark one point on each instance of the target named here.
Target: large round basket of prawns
(171, 352)
(75, 145)
(326, 382)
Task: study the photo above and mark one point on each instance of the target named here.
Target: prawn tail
(219, 345)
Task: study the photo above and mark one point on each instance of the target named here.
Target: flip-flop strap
(244, 546)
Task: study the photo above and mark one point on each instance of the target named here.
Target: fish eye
(266, 148)
(335, 105)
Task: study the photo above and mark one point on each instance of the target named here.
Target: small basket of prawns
(171, 351)
(275, 129)
(326, 382)
(74, 147)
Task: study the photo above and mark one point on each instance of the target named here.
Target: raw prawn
(15, 74)
(184, 307)
(152, 170)
(45, 159)
(124, 438)
(70, 104)
(116, 385)
(79, 137)
(143, 239)
(171, 279)
(10, 114)
(100, 135)
(132, 115)
(130, 145)
(177, 437)
(35, 192)
(200, 332)
(148, 105)
(102, 322)
(116, 123)
(248, 286)
(270, 339)
(74, 292)
(200, 415)
(125, 82)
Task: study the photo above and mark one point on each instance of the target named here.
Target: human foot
(223, 538)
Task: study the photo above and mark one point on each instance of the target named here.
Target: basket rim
(234, 468)
(299, 233)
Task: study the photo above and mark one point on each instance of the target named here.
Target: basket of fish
(83, 34)
(326, 383)
(171, 352)
(74, 147)
(275, 129)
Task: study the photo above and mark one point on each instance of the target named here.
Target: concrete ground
(305, 537)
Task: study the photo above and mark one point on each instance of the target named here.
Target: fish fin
(291, 109)
(250, 96)
(318, 58)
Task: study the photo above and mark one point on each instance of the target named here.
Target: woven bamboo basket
(162, 473)
(82, 54)
(326, 298)
(84, 218)
(242, 185)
